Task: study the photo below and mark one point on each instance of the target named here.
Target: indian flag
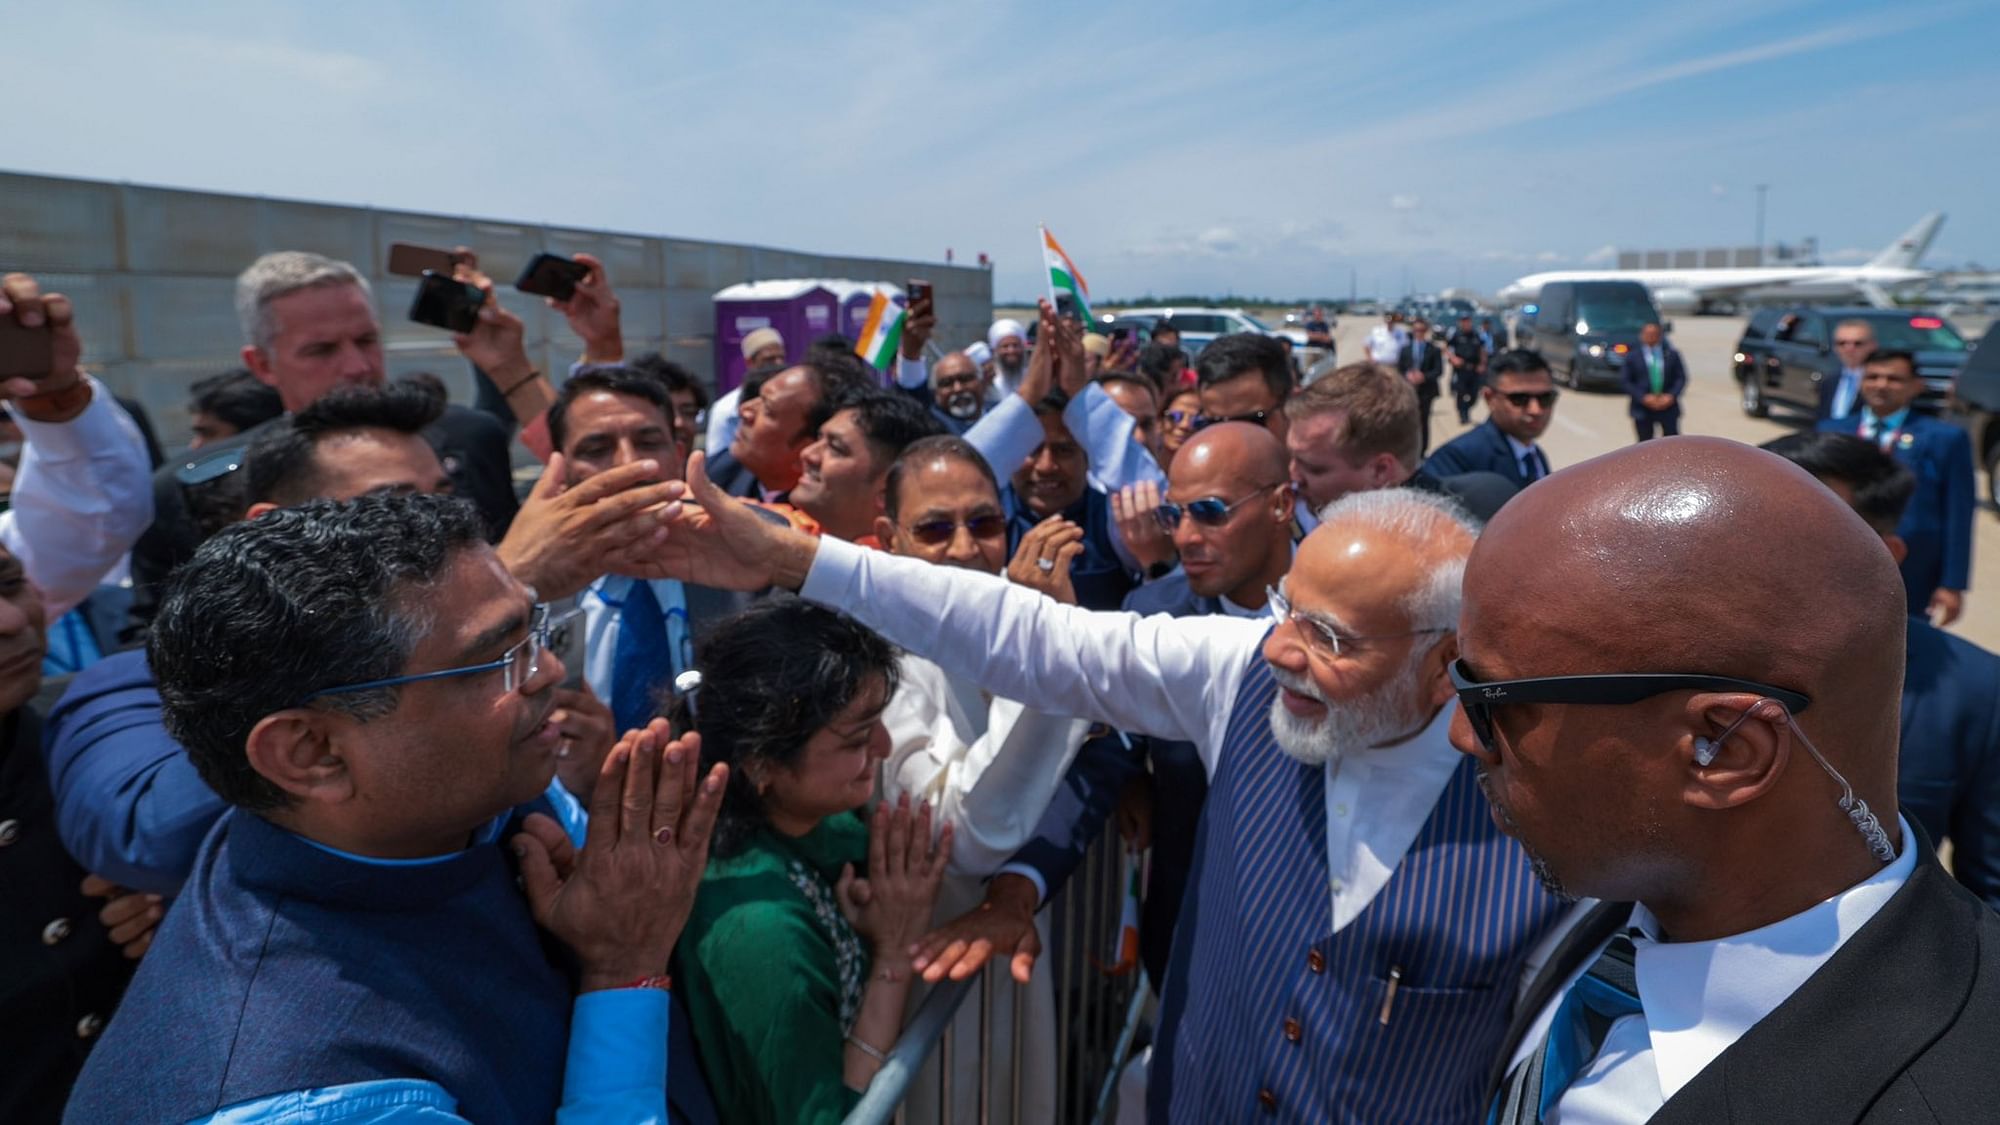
(1064, 276)
(882, 332)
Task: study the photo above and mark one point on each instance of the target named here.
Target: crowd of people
(368, 786)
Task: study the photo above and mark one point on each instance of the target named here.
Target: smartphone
(552, 275)
(569, 641)
(444, 303)
(407, 259)
(25, 353)
(1124, 333)
(921, 294)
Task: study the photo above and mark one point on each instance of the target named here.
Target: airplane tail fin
(1912, 245)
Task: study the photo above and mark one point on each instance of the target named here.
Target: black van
(1585, 328)
(1976, 406)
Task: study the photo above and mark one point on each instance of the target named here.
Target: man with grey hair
(309, 325)
(1355, 923)
(1838, 396)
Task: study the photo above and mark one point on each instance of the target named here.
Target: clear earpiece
(1857, 810)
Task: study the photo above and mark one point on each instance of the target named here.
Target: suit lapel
(1828, 1052)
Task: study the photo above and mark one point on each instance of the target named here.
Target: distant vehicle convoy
(1585, 328)
(1786, 354)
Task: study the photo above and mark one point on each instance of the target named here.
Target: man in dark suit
(1520, 400)
(1784, 947)
(1948, 773)
(1937, 528)
(1422, 363)
(309, 326)
(1840, 396)
(1655, 379)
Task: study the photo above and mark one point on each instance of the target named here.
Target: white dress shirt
(988, 766)
(1522, 449)
(1702, 996)
(602, 601)
(1170, 677)
(82, 496)
(723, 421)
(1384, 346)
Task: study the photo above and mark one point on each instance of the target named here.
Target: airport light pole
(1761, 189)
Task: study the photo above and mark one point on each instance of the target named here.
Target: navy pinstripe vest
(1268, 1015)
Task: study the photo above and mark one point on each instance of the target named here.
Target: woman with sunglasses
(1177, 423)
(989, 766)
(794, 965)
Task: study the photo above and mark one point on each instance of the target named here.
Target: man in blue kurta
(369, 689)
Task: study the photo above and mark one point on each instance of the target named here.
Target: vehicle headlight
(1596, 351)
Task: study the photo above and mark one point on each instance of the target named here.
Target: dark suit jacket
(475, 449)
(1948, 772)
(1937, 526)
(1899, 1025)
(1431, 368)
(1639, 381)
(729, 475)
(1481, 449)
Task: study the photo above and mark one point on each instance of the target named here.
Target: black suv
(1585, 328)
(1976, 405)
(1786, 354)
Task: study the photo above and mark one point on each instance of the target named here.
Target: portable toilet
(855, 297)
(802, 310)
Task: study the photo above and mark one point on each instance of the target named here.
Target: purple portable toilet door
(800, 318)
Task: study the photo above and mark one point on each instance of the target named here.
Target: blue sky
(1264, 148)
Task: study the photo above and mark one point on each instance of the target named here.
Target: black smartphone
(921, 294)
(407, 259)
(569, 642)
(447, 304)
(25, 353)
(1121, 334)
(552, 275)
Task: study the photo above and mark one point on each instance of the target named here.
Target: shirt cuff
(1032, 876)
(835, 567)
(618, 1053)
(912, 373)
(95, 429)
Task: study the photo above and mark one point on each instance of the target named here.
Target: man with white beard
(1009, 343)
(1355, 926)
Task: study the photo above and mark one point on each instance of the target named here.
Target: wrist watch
(56, 406)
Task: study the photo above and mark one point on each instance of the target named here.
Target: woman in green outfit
(794, 967)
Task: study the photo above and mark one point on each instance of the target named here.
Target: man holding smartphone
(79, 497)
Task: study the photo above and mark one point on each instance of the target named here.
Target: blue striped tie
(1607, 993)
(641, 658)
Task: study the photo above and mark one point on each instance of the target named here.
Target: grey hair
(1417, 515)
(281, 272)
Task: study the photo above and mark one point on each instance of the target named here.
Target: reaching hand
(1135, 509)
(563, 539)
(496, 345)
(22, 299)
(1946, 605)
(1043, 559)
(592, 312)
(588, 732)
(130, 917)
(723, 542)
(892, 906)
(1003, 924)
(621, 902)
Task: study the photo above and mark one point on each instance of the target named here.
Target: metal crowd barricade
(1097, 1018)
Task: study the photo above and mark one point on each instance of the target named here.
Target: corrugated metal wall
(153, 270)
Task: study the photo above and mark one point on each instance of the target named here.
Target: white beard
(1392, 712)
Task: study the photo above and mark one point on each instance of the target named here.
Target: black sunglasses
(933, 532)
(1255, 418)
(1478, 699)
(1521, 399)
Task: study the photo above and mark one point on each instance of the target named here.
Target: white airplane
(1688, 290)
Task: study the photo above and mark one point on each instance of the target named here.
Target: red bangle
(665, 983)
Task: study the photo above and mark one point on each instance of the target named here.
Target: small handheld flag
(882, 332)
(1064, 276)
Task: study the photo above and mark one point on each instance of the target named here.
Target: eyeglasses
(518, 664)
(1255, 418)
(1521, 399)
(932, 533)
(1478, 699)
(1209, 511)
(1323, 637)
(1182, 417)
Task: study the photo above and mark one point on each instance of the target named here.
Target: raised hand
(917, 330)
(1040, 377)
(1056, 542)
(563, 539)
(592, 312)
(892, 906)
(497, 344)
(623, 900)
(723, 542)
(1134, 508)
(1072, 365)
(23, 302)
(1002, 925)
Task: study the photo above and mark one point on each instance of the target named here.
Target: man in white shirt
(83, 491)
(1323, 733)
(1778, 945)
(1009, 342)
(1385, 340)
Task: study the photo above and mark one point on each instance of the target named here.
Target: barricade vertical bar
(986, 1047)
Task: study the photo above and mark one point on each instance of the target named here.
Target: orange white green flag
(1064, 277)
(882, 332)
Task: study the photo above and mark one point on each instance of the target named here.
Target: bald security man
(1230, 514)
(1776, 944)
(1355, 924)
